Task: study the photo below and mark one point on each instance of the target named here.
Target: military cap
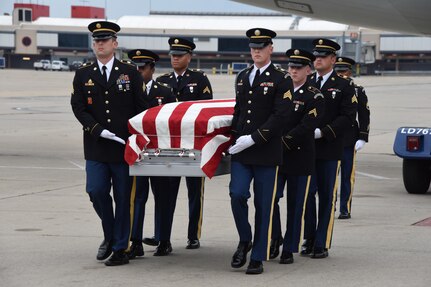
(260, 37)
(299, 58)
(103, 30)
(180, 46)
(325, 47)
(141, 57)
(343, 64)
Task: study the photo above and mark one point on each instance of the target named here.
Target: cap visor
(292, 64)
(258, 45)
(177, 52)
(103, 37)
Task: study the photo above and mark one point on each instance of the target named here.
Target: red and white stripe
(202, 125)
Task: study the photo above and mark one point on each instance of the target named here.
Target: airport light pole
(106, 10)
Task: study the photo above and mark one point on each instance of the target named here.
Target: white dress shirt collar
(108, 66)
(149, 84)
(325, 78)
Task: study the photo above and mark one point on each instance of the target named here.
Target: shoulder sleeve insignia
(206, 90)
(287, 94)
(354, 99)
(313, 112)
(318, 95)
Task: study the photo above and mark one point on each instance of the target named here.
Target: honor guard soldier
(156, 94)
(106, 94)
(188, 85)
(354, 139)
(340, 110)
(263, 99)
(299, 154)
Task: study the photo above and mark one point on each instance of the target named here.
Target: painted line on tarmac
(40, 167)
(77, 165)
(373, 176)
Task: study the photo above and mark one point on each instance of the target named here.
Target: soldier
(354, 139)
(106, 94)
(299, 154)
(340, 109)
(156, 94)
(188, 85)
(263, 98)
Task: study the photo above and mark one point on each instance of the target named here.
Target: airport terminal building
(29, 35)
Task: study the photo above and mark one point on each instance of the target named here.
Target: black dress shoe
(307, 247)
(286, 257)
(239, 258)
(150, 241)
(117, 258)
(344, 216)
(164, 248)
(105, 249)
(193, 244)
(274, 248)
(319, 252)
(255, 267)
(136, 249)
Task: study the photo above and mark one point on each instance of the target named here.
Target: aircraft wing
(407, 16)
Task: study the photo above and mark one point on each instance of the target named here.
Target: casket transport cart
(181, 139)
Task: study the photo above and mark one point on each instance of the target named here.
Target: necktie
(104, 74)
(319, 82)
(179, 78)
(256, 76)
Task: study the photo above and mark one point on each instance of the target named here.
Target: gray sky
(116, 8)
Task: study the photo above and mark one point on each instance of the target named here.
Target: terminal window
(233, 45)
(69, 40)
(24, 15)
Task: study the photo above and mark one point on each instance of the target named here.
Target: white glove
(241, 144)
(107, 134)
(359, 145)
(111, 136)
(317, 133)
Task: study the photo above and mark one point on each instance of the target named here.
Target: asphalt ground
(49, 232)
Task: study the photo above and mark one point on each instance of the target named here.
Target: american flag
(201, 125)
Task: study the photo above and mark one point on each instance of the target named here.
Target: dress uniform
(354, 139)
(340, 109)
(263, 98)
(192, 85)
(299, 159)
(105, 96)
(155, 94)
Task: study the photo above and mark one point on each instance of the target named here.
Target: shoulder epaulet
(280, 69)
(87, 64)
(245, 69)
(287, 75)
(163, 84)
(164, 75)
(127, 62)
(348, 79)
(198, 71)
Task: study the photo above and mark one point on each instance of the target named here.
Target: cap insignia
(340, 59)
(176, 41)
(138, 53)
(257, 32)
(296, 52)
(98, 26)
(320, 42)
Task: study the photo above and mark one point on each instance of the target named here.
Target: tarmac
(49, 232)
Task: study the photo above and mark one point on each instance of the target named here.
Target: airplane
(403, 16)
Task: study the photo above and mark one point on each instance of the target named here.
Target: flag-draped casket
(182, 138)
